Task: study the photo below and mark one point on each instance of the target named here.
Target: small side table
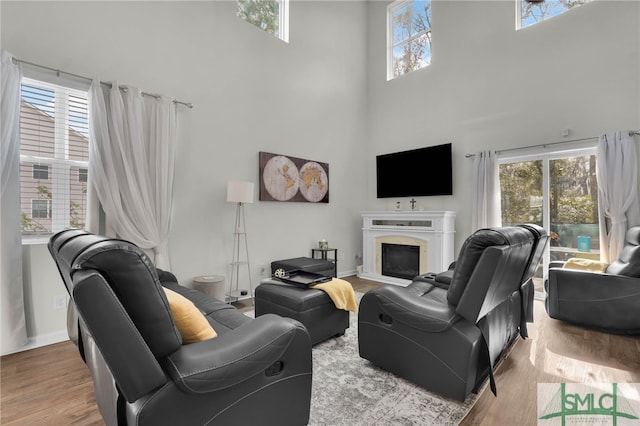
(213, 285)
(323, 255)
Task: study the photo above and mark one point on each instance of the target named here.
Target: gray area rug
(349, 390)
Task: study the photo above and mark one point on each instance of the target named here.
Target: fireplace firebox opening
(400, 260)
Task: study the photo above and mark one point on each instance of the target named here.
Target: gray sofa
(447, 336)
(256, 371)
(608, 301)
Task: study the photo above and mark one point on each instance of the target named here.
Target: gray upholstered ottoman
(313, 308)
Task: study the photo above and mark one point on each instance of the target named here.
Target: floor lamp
(240, 193)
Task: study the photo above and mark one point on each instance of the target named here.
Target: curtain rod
(58, 72)
(544, 145)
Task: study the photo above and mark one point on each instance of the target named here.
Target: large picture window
(408, 36)
(54, 157)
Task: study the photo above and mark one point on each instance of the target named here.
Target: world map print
(285, 178)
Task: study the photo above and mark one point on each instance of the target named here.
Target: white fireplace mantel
(431, 231)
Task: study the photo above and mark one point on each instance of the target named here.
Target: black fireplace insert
(400, 260)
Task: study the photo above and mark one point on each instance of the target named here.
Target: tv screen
(417, 172)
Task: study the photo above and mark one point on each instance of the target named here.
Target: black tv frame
(420, 172)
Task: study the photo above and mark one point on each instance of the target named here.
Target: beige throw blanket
(341, 293)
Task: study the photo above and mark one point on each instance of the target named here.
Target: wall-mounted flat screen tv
(415, 173)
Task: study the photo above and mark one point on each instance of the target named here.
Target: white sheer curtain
(14, 330)
(486, 208)
(618, 206)
(131, 164)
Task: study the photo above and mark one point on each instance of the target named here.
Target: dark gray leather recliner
(608, 301)
(257, 371)
(446, 338)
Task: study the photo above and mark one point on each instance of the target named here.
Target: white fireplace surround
(431, 231)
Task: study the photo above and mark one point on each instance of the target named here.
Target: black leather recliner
(256, 371)
(608, 301)
(446, 338)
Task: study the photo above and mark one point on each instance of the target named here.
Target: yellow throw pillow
(191, 323)
(585, 265)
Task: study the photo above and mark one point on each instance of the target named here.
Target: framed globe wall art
(286, 178)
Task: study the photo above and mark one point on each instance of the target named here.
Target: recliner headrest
(134, 279)
(473, 248)
(628, 262)
(131, 276)
(65, 246)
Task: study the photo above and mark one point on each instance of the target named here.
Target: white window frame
(283, 25)
(60, 164)
(390, 8)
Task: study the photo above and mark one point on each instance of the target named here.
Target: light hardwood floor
(51, 385)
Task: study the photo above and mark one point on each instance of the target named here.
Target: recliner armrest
(603, 301)
(233, 357)
(579, 279)
(574, 285)
(428, 311)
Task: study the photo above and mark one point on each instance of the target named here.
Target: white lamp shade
(239, 192)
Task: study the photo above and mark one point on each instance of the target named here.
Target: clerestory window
(271, 16)
(408, 36)
(532, 12)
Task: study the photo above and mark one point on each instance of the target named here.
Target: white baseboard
(347, 273)
(42, 340)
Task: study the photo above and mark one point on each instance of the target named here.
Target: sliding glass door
(573, 208)
(558, 191)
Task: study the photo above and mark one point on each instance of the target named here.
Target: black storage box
(319, 266)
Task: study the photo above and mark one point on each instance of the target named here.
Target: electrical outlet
(59, 302)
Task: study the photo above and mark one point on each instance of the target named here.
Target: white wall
(491, 87)
(251, 92)
(325, 97)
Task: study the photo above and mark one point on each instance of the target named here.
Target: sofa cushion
(191, 323)
(585, 265)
